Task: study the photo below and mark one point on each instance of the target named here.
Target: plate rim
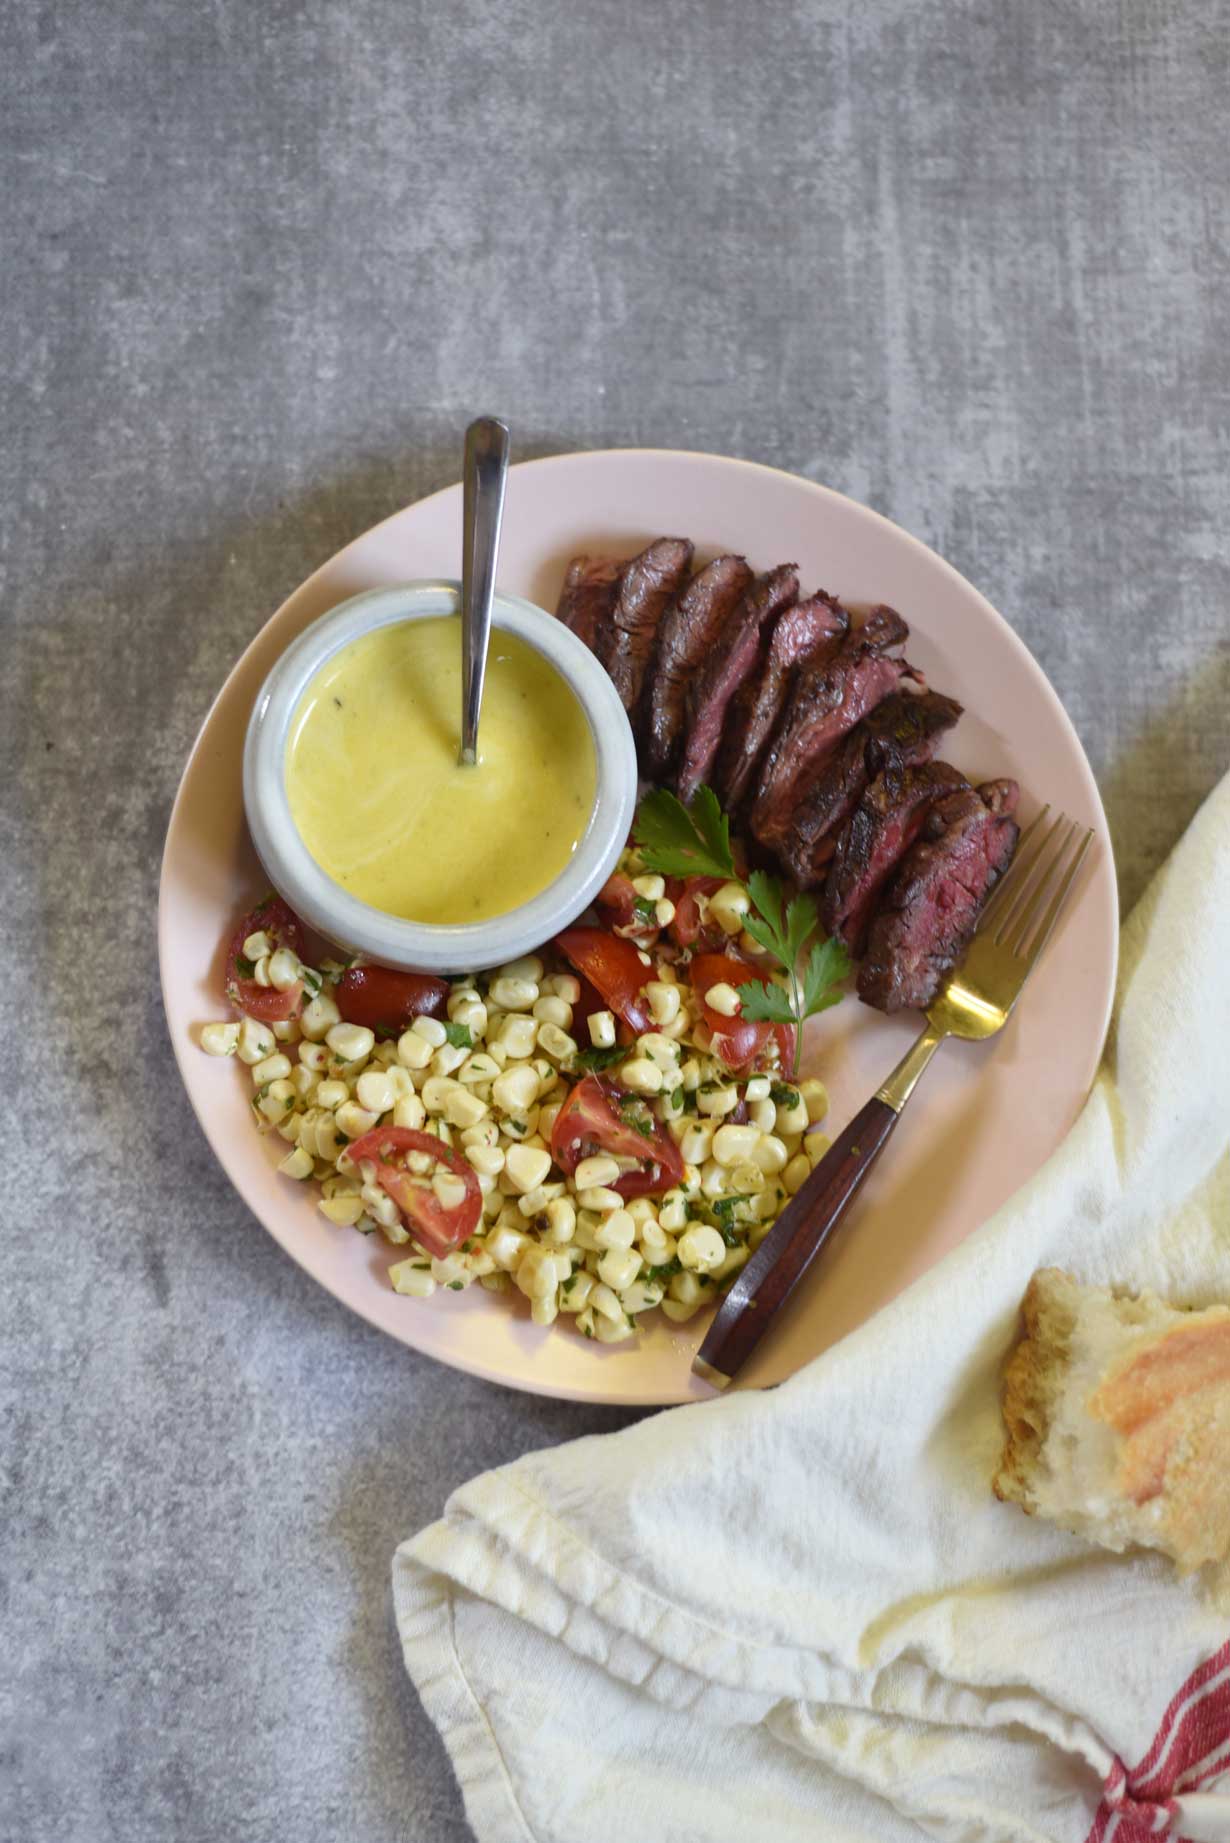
(529, 1384)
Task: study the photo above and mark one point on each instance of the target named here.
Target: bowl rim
(356, 926)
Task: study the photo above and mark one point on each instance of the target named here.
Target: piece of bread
(1117, 1410)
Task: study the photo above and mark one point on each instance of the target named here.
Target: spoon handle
(486, 472)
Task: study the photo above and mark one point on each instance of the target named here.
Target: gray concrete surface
(260, 262)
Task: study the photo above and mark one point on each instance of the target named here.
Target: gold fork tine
(1030, 949)
(1016, 926)
(1037, 873)
(1017, 872)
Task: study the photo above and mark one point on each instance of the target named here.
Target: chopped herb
(421, 1266)
(634, 1114)
(724, 1214)
(459, 1035)
(244, 967)
(783, 929)
(684, 841)
(312, 981)
(467, 1245)
(666, 1271)
(456, 1286)
(781, 1096)
(677, 1099)
(601, 1058)
(385, 1033)
(588, 1330)
(516, 1127)
(645, 909)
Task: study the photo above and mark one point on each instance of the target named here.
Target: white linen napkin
(803, 1614)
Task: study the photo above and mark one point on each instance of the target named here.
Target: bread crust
(1116, 1410)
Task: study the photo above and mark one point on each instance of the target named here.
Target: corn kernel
(618, 1268)
(374, 1091)
(723, 999)
(600, 1170)
(526, 1166)
(219, 1039)
(351, 1042)
(255, 1041)
(516, 1089)
(412, 1278)
(318, 1017)
(616, 1230)
(343, 1211)
(733, 1144)
(602, 1029)
(641, 1076)
(796, 1174)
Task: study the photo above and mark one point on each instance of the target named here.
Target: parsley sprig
(683, 841)
(784, 929)
(694, 841)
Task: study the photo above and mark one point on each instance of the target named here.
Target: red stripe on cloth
(1191, 1746)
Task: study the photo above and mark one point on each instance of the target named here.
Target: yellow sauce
(381, 804)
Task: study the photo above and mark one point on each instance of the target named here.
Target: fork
(975, 1001)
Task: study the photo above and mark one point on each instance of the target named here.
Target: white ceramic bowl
(387, 939)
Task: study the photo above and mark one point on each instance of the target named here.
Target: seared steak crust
(800, 634)
(646, 588)
(731, 661)
(931, 906)
(690, 628)
(882, 827)
(829, 697)
(903, 729)
(587, 599)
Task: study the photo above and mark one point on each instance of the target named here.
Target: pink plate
(986, 1117)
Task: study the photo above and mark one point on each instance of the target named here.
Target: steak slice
(649, 583)
(690, 628)
(883, 826)
(587, 599)
(799, 634)
(903, 729)
(829, 698)
(931, 906)
(731, 661)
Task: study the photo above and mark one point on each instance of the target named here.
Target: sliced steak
(800, 634)
(829, 697)
(903, 730)
(587, 599)
(932, 904)
(731, 661)
(646, 588)
(690, 629)
(883, 826)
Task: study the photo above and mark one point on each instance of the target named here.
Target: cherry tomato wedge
(387, 1001)
(590, 1121)
(438, 1229)
(614, 966)
(683, 892)
(274, 918)
(736, 1040)
(617, 900)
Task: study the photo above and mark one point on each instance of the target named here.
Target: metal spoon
(485, 476)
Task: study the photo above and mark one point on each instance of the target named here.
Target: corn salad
(489, 1080)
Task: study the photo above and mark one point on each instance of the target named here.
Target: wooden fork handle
(792, 1244)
